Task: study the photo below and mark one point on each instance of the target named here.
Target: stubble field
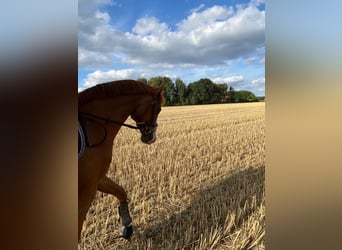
(199, 186)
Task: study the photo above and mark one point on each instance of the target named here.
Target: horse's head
(146, 114)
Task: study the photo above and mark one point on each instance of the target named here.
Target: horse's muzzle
(149, 138)
(148, 132)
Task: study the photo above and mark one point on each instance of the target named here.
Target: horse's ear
(160, 92)
(160, 89)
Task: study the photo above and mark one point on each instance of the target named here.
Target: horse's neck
(116, 109)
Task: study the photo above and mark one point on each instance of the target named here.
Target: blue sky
(187, 39)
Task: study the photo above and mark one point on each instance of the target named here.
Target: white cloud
(258, 82)
(250, 59)
(149, 25)
(229, 80)
(92, 59)
(201, 6)
(198, 21)
(111, 75)
(203, 44)
(212, 36)
(235, 79)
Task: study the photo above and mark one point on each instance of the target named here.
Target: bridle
(146, 128)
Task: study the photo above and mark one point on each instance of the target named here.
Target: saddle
(81, 140)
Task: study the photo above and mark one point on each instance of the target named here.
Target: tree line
(203, 91)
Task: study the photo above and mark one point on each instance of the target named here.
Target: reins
(108, 120)
(105, 129)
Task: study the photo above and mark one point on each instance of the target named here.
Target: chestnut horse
(102, 111)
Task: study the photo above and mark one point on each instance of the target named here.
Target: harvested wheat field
(199, 186)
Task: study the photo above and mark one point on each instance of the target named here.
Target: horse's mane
(113, 89)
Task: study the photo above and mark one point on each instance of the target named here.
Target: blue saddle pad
(81, 140)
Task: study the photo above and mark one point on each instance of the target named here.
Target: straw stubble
(199, 186)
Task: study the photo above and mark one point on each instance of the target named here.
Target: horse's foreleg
(106, 185)
(85, 197)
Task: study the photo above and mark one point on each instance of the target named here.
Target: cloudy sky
(187, 39)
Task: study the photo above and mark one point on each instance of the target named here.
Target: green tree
(246, 96)
(242, 96)
(203, 91)
(231, 94)
(223, 92)
(169, 88)
(194, 94)
(180, 91)
(144, 80)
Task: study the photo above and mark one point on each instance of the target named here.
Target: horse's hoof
(126, 232)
